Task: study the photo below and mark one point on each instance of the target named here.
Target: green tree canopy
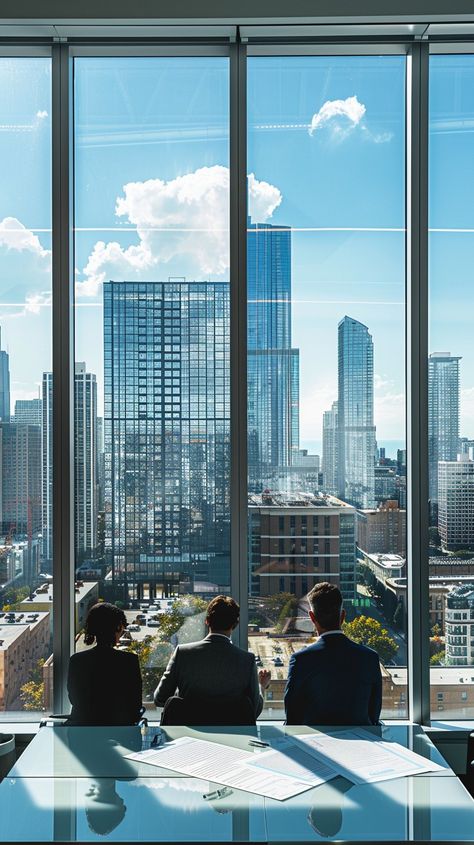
(369, 632)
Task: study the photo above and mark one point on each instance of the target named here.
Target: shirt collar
(335, 631)
(218, 635)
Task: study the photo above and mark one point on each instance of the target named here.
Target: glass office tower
(85, 462)
(4, 384)
(355, 407)
(167, 437)
(443, 414)
(273, 366)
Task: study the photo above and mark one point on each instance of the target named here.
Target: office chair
(469, 778)
(201, 712)
(62, 720)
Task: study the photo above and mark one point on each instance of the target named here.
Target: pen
(259, 743)
(218, 793)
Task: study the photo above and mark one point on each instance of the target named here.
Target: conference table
(76, 785)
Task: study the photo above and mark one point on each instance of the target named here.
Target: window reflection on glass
(152, 382)
(450, 411)
(25, 385)
(326, 356)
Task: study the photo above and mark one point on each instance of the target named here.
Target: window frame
(417, 48)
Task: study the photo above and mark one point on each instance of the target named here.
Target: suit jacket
(212, 667)
(104, 687)
(334, 682)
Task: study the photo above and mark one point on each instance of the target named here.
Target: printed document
(364, 758)
(286, 758)
(221, 764)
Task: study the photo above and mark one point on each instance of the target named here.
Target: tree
(438, 658)
(150, 674)
(12, 597)
(369, 632)
(32, 693)
(278, 602)
(436, 630)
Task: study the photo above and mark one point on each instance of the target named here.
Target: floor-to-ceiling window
(326, 355)
(451, 386)
(152, 324)
(25, 384)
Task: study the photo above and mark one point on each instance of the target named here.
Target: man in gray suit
(214, 666)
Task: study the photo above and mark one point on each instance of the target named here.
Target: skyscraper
(356, 430)
(456, 503)
(85, 462)
(47, 462)
(167, 435)
(273, 366)
(443, 414)
(20, 473)
(28, 411)
(4, 384)
(330, 445)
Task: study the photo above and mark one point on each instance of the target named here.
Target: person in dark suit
(104, 685)
(214, 668)
(334, 681)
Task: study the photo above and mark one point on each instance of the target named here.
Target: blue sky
(327, 152)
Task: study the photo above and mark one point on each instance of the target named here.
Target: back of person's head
(326, 603)
(223, 613)
(102, 623)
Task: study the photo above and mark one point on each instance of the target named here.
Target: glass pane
(451, 387)
(326, 356)
(152, 390)
(25, 385)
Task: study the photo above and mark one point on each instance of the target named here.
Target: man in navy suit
(334, 681)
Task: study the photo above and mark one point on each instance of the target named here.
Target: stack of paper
(295, 763)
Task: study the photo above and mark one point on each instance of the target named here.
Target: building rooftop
(386, 561)
(439, 675)
(20, 622)
(277, 499)
(44, 593)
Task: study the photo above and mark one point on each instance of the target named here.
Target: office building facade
(47, 467)
(297, 540)
(272, 363)
(28, 411)
(167, 435)
(456, 503)
(355, 409)
(4, 384)
(330, 449)
(85, 462)
(443, 415)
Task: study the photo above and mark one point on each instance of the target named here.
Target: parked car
(140, 619)
(134, 628)
(277, 661)
(153, 623)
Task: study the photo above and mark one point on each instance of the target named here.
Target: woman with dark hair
(104, 685)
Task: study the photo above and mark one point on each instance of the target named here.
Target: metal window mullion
(417, 383)
(63, 368)
(238, 334)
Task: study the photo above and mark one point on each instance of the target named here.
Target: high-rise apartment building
(85, 462)
(28, 411)
(296, 540)
(459, 621)
(4, 384)
(330, 444)
(273, 366)
(383, 530)
(47, 463)
(355, 408)
(167, 434)
(443, 414)
(456, 503)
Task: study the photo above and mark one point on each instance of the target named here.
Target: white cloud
(15, 236)
(41, 115)
(342, 115)
(184, 220)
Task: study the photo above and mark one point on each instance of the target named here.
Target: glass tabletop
(100, 751)
(175, 810)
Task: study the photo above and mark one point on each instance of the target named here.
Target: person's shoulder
(363, 650)
(309, 653)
